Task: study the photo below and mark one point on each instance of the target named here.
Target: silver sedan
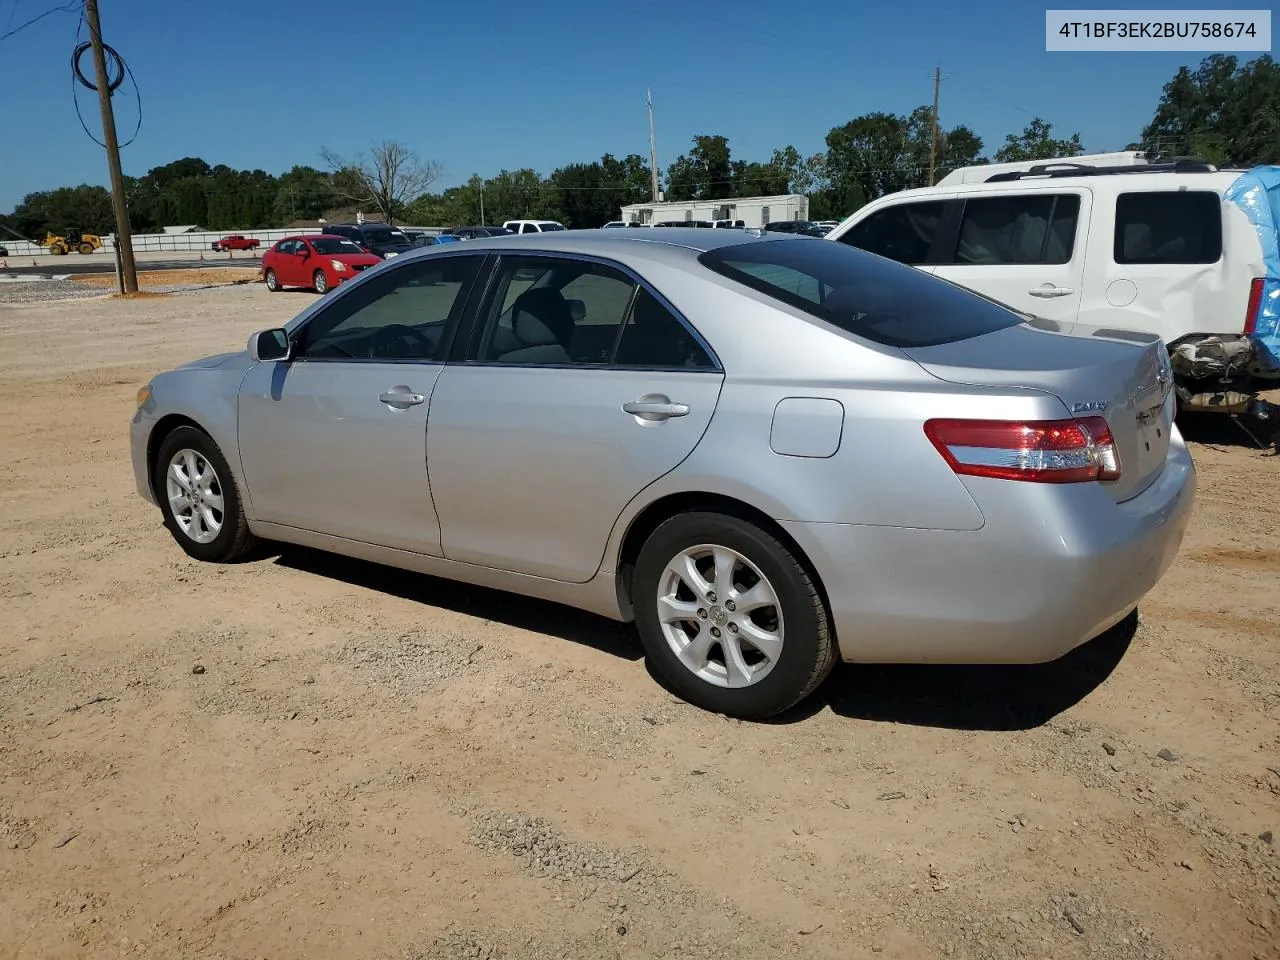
(769, 452)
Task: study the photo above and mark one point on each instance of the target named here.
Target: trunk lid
(1118, 375)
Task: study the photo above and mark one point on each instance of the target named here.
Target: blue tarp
(1257, 193)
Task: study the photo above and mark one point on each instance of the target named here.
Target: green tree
(704, 173)
(1036, 142)
(303, 193)
(86, 208)
(1221, 112)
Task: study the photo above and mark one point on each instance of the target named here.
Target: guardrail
(200, 241)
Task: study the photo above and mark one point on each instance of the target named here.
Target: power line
(64, 8)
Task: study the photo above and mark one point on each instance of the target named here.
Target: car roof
(1216, 181)
(674, 244)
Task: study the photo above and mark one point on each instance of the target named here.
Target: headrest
(541, 317)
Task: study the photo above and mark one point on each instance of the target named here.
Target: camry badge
(1089, 406)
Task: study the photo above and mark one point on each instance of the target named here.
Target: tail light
(1255, 306)
(1040, 451)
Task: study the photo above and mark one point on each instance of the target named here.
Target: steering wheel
(394, 337)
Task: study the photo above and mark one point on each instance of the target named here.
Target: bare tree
(392, 179)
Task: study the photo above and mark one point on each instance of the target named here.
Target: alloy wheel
(195, 495)
(720, 616)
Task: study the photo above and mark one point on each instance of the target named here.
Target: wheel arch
(664, 508)
(165, 426)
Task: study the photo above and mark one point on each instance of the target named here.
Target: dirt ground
(308, 757)
(196, 276)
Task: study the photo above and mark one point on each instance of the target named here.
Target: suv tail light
(1040, 451)
(1255, 306)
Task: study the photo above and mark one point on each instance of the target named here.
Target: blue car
(429, 241)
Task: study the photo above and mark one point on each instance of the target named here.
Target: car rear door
(334, 440)
(579, 387)
(1024, 249)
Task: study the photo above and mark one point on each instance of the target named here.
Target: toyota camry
(770, 452)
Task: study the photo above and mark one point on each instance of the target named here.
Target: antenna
(653, 150)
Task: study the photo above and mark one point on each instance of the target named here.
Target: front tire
(200, 499)
(320, 282)
(730, 617)
(272, 281)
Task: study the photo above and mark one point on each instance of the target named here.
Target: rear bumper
(1052, 568)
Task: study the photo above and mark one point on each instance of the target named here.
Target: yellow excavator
(86, 243)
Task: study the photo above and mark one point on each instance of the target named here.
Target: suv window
(1174, 226)
(1031, 228)
(902, 232)
(885, 302)
(401, 315)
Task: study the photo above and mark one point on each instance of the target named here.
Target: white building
(753, 211)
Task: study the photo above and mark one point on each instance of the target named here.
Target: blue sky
(483, 86)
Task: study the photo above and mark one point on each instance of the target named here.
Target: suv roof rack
(1067, 169)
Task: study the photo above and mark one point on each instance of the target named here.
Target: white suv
(1159, 248)
(533, 226)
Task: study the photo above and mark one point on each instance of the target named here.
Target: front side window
(1032, 228)
(551, 311)
(903, 232)
(402, 315)
(286, 246)
(1172, 226)
(887, 303)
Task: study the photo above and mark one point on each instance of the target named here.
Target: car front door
(285, 263)
(580, 388)
(1023, 249)
(334, 440)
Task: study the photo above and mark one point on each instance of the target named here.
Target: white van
(1158, 248)
(533, 226)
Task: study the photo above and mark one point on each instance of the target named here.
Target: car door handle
(655, 408)
(1048, 290)
(401, 398)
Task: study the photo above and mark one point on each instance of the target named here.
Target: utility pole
(124, 240)
(933, 148)
(653, 150)
(482, 219)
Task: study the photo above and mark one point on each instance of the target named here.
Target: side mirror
(270, 345)
(304, 252)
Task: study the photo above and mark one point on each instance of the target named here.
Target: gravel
(546, 853)
(45, 290)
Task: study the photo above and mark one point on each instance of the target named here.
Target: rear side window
(903, 232)
(1174, 226)
(885, 302)
(1034, 228)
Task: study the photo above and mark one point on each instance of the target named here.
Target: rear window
(1173, 226)
(864, 295)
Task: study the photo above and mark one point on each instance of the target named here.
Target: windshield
(859, 292)
(332, 245)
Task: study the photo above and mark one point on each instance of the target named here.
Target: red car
(317, 261)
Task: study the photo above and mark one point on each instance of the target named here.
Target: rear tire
(744, 630)
(320, 282)
(200, 499)
(272, 281)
